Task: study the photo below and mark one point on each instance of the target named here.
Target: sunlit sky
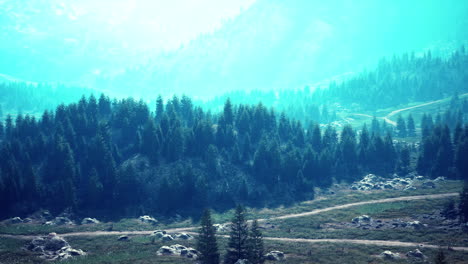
(165, 24)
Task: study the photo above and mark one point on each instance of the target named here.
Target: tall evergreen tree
(463, 205)
(206, 240)
(440, 257)
(255, 244)
(410, 126)
(401, 126)
(237, 247)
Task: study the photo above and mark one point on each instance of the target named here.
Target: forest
(399, 80)
(119, 158)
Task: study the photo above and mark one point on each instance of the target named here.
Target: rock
(387, 254)
(416, 224)
(60, 220)
(53, 247)
(148, 219)
(183, 236)
(363, 219)
(242, 261)
(417, 254)
(419, 178)
(15, 220)
(27, 220)
(123, 238)
(222, 227)
(274, 255)
(439, 179)
(410, 188)
(88, 221)
(166, 251)
(158, 234)
(428, 185)
(178, 250)
(166, 238)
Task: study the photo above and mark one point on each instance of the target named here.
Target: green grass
(106, 249)
(139, 250)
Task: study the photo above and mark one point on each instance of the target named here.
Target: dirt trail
(388, 120)
(363, 242)
(387, 200)
(313, 212)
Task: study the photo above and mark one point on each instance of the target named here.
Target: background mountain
(272, 44)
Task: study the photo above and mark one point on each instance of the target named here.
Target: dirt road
(388, 120)
(313, 212)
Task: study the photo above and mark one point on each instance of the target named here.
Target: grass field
(106, 249)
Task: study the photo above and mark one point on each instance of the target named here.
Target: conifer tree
(237, 245)
(401, 126)
(410, 126)
(206, 240)
(440, 257)
(255, 244)
(463, 205)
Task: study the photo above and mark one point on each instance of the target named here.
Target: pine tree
(463, 205)
(255, 244)
(159, 108)
(237, 245)
(206, 240)
(228, 114)
(440, 257)
(375, 127)
(401, 126)
(410, 126)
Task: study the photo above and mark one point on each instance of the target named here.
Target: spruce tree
(206, 240)
(463, 205)
(410, 126)
(440, 258)
(237, 246)
(401, 126)
(255, 244)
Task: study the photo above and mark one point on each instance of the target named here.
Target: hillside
(117, 159)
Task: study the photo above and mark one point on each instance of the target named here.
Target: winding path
(288, 216)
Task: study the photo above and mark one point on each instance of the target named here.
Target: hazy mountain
(272, 44)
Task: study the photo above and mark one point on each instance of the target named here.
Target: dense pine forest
(399, 80)
(119, 158)
(23, 97)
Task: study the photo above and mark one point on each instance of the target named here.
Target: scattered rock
(183, 236)
(387, 254)
(148, 219)
(428, 185)
(178, 250)
(53, 247)
(222, 227)
(242, 261)
(166, 238)
(166, 251)
(439, 179)
(60, 220)
(274, 255)
(123, 238)
(158, 234)
(88, 221)
(362, 220)
(416, 224)
(416, 254)
(15, 220)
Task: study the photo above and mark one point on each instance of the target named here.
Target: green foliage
(238, 247)
(206, 240)
(255, 245)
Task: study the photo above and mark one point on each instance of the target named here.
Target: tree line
(119, 158)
